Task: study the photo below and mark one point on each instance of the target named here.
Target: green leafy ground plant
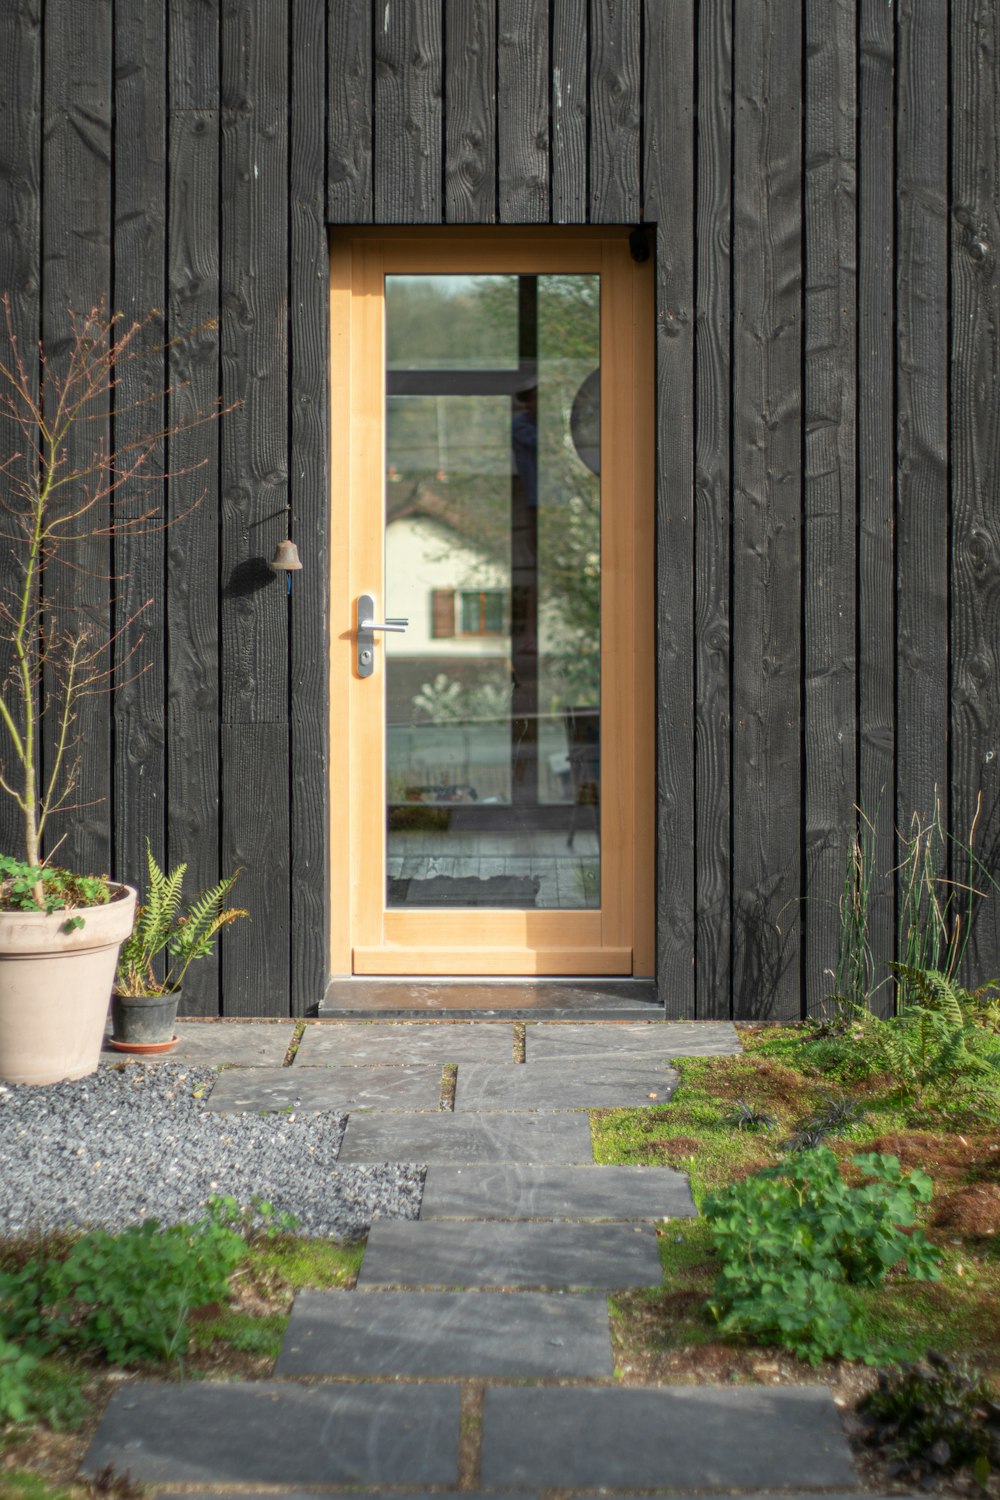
(789, 1235)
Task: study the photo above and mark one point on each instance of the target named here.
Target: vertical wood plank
(570, 108)
(76, 218)
(139, 771)
(255, 833)
(829, 581)
(766, 500)
(615, 109)
(194, 54)
(349, 112)
(523, 111)
(975, 450)
(309, 275)
(20, 253)
(876, 456)
(254, 263)
(922, 416)
(193, 707)
(668, 183)
(713, 503)
(408, 84)
(470, 91)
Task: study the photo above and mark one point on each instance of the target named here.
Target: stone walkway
(477, 1341)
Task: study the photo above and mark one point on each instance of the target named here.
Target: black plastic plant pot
(144, 1020)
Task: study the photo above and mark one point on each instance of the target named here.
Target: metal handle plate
(367, 625)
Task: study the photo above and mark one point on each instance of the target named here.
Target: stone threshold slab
(413, 1253)
(485, 1334)
(327, 1090)
(614, 1083)
(676, 1437)
(467, 1138)
(513, 999)
(516, 1191)
(325, 1043)
(274, 1432)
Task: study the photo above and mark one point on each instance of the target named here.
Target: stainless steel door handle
(367, 625)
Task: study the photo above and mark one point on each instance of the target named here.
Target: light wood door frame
(619, 937)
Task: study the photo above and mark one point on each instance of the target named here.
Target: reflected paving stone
(447, 1333)
(244, 1044)
(336, 1090)
(463, 1139)
(415, 1253)
(326, 1042)
(695, 1437)
(660, 1039)
(516, 1191)
(276, 1433)
(612, 1084)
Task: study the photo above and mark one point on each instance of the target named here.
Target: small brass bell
(286, 558)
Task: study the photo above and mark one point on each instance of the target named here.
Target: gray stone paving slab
(467, 1138)
(534, 1334)
(245, 1044)
(597, 998)
(516, 1191)
(272, 1494)
(337, 1090)
(273, 1432)
(611, 1084)
(545, 1042)
(415, 1253)
(326, 1042)
(676, 1437)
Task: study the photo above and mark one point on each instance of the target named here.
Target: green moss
(243, 1332)
(18, 1484)
(296, 1263)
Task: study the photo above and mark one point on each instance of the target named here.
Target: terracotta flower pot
(55, 987)
(144, 1020)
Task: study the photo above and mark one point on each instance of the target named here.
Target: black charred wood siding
(824, 182)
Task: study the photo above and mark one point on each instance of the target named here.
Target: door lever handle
(367, 625)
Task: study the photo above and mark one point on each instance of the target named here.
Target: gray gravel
(130, 1143)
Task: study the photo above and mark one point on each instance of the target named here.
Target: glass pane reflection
(493, 552)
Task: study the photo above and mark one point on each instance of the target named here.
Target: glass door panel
(493, 552)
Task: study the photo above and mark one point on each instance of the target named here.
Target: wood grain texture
(975, 450)
(570, 107)
(615, 107)
(255, 955)
(76, 218)
(829, 580)
(408, 135)
(309, 492)
(713, 511)
(140, 157)
(20, 253)
(254, 640)
(668, 182)
(349, 191)
(194, 57)
(922, 414)
(876, 455)
(766, 500)
(254, 266)
(470, 89)
(192, 571)
(523, 83)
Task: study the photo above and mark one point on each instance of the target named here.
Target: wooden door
(492, 765)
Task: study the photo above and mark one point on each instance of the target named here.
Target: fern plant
(164, 925)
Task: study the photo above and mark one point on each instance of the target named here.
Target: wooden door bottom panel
(489, 961)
